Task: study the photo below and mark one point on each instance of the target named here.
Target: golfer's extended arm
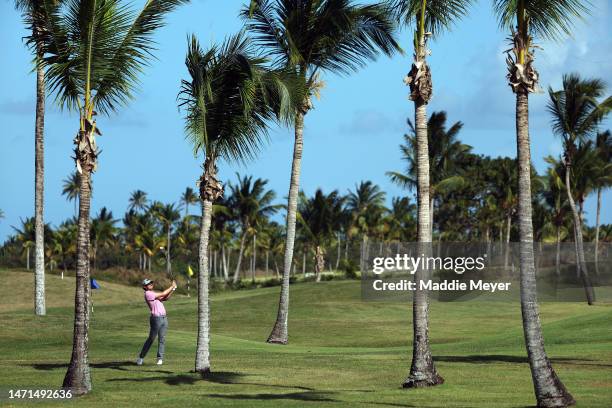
(163, 294)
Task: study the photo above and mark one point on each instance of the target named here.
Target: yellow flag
(189, 271)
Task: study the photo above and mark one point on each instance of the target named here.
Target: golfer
(158, 320)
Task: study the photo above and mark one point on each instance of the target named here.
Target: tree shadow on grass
(217, 377)
(310, 396)
(113, 365)
(500, 358)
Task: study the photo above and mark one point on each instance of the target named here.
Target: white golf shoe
(139, 361)
(160, 361)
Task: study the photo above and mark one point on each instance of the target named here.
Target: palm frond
(548, 19)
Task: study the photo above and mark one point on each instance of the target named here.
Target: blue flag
(94, 283)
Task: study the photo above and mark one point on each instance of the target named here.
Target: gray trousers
(159, 326)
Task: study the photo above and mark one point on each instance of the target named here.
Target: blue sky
(351, 135)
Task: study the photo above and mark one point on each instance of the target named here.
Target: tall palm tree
(430, 18)
(103, 233)
(223, 124)
(526, 19)
(138, 201)
(445, 155)
(251, 203)
(603, 143)
(187, 198)
(319, 218)
(95, 51)
(34, 15)
(309, 37)
(554, 197)
(26, 235)
(576, 114)
(366, 207)
(167, 215)
(71, 188)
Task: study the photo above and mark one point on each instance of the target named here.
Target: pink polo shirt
(156, 306)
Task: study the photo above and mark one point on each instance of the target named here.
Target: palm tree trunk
(304, 262)
(549, 390)
(338, 256)
(28, 258)
(237, 271)
(584, 273)
(507, 249)
(597, 231)
(254, 257)
(267, 269)
(558, 254)
(422, 370)
(224, 263)
(431, 214)
(78, 377)
(39, 260)
(202, 361)
(279, 332)
(168, 265)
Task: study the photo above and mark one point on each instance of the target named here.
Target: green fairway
(342, 352)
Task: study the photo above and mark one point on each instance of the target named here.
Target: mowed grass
(342, 352)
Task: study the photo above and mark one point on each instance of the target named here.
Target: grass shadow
(309, 396)
(500, 358)
(113, 365)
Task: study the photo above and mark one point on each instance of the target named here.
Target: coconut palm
(366, 208)
(138, 201)
(167, 215)
(64, 242)
(34, 15)
(310, 37)
(71, 189)
(228, 101)
(187, 198)
(103, 233)
(251, 203)
(445, 155)
(603, 143)
(26, 236)
(576, 114)
(95, 51)
(555, 198)
(526, 19)
(430, 18)
(319, 218)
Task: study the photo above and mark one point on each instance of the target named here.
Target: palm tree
(603, 143)
(548, 20)
(366, 207)
(554, 197)
(188, 198)
(26, 235)
(222, 124)
(138, 201)
(576, 114)
(103, 233)
(95, 51)
(430, 18)
(34, 15)
(251, 203)
(71, 189)
(319, 218)
(446, 153)
(309, 37)
(64, 242)
(167, 215)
